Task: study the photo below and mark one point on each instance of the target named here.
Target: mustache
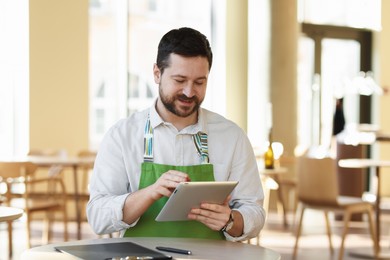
(185, 98)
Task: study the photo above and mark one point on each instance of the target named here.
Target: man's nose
(188, 90)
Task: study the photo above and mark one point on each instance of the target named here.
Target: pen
(174, 250)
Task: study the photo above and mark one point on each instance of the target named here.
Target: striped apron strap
(148, 142)
(200, 140)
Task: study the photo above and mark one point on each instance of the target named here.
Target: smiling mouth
(186, 100)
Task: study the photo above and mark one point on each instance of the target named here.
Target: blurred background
(311, 72)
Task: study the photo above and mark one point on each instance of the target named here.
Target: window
(14, 78)
(124, 35)
(331, 58)
(334, 52)
(348, 13)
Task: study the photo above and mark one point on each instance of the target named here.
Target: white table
(275, 175)
(377, 164)
(200, 248)
(8, 214)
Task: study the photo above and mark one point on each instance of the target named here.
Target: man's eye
(199, 83)
(179, 80)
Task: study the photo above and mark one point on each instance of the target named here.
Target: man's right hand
(167, 183)
(138, 202)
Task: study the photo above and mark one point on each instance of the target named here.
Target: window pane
(14, 78)
(308, 94)
(148, 22)
(340, 65)
(103, 74)
(124, 35)
(350, 13)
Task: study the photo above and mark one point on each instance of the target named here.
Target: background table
(201, 248)
(275, 175)
(9, 214)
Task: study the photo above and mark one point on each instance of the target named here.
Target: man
(143, 158)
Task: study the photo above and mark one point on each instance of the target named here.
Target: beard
(169, 103)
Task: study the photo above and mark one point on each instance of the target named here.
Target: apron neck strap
(148, 141)
(200, 141)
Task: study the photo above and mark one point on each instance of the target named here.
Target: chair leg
(9, 239)
(266, 196)
(28, 228)
(298, 234)
(46, 229)
(65, 219)
(281, 205)
(295, 207)
(328, 231)
(371, 224)
(347, 217)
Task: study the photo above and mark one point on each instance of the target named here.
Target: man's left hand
(215, 216)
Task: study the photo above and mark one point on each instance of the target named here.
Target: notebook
(112, 251)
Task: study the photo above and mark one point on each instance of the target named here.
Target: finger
(168, 181)
(209, 216)
(208, 221)
(164, 192)
(216, 207)
(228, 198)
(169, 184)
(178, 175)
(157, 190)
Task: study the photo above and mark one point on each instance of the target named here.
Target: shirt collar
(200, 126)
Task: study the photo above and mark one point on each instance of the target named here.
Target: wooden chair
(84, 194)
(47, 197)
(86, 172)
(318, 189)
(53, 169)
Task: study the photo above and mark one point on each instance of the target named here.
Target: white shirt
(117, 166)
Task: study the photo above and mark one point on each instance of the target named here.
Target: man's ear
(156, 74)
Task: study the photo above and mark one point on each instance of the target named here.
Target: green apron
(150, 172)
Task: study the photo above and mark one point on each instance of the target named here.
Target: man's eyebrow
(184, 77)
(178, 76)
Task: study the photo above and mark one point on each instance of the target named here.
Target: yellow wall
(384, 119)
(283, 73)
(59, 74)
(237, 61)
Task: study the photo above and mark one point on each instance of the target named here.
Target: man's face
(182, 86)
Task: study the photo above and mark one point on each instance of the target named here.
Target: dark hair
(185, 42)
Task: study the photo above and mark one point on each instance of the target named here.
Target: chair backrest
(16, 169)
(317, 180)
(86, 153)
(87, 169)
(47, 152)
(11, 171)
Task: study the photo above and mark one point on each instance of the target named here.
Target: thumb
(226, 202)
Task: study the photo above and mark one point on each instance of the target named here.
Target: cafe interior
(307, 78)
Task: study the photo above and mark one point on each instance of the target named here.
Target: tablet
(188, 195)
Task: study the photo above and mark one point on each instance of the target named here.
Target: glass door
(331, 62)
